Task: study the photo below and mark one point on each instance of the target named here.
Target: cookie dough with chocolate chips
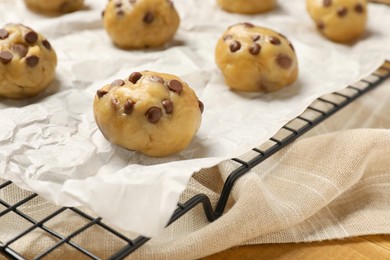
(339, 20)
(254, 58)
(247, 6)
(134, 24)
(27, 62)
(54, 6)
(153, 113)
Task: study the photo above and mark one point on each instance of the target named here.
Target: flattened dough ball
(247, 6)
(254, 58)
(27, 62)
(153, 113)
(54, 6)
(339, 20)
(134, 24)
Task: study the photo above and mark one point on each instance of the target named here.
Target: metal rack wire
(318, 111)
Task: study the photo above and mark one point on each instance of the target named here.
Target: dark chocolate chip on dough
(327, 3)
(227, 37)
(148, 18)
(157, 79)
(342, 11)
(101, 92)
(201, 106)
(5, 57)
(32, 61)
(255, 49)
(117, 83)
(359, 8)
(235, 46)
(128, 107)
(134, 77)
(284, 61)
(175, 86)
(3, 34)
(20, 49)
(248, 25)
(31, 37)
(168, 105)
(47, 44)
(256, 37)
(154, 114)
(274, 40)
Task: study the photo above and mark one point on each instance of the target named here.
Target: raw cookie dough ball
(254, 58)
(247, 6)
(54, 6)
(140, 23)
(153, 113)
(27, 62)
(339, 20)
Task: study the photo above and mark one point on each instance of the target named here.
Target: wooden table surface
(367, 247)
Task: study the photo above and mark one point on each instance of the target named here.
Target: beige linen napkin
(333, 183)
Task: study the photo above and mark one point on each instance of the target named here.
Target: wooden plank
(373, 247)
(380, 240)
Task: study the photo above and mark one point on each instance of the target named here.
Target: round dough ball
(27, 62)
(247, 6)
(254, 58)
(133, 24)
(339, 20)
(153, 113)
(54, 6)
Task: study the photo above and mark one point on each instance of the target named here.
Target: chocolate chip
(118, 3)
(154, 114)
(282, 35)
(255, 37)
(248, 25)
(117, 83)
(120, 12)
(148, 18)
(5, 57)
(320, 25)
(47, 44)
(235, 46)
(227, 37)
(157, 79)
(342, 11)
(170, 3)
(274, 40)
(128, 107)
(101, 92)
(255, 49)
(134, 77)
(359, 8)
(201, 106)
(20, 49)
(327, 3)
(3, 34)
(168, 105)
(284, 61)
(115, 104)
(175, 86)
(32, 61)
(31, 37)
(291, 46)
(132, 1)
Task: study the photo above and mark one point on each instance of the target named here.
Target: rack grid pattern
(317, 112)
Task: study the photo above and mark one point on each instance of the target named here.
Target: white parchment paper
(51, 145)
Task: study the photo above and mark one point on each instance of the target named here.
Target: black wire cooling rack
(318, 111)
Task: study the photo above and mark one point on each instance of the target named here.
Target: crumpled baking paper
(51, 145)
